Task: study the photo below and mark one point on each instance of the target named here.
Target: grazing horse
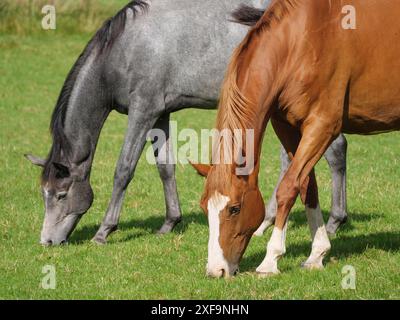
(148, 61)
(313, 78)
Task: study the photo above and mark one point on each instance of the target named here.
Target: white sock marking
(275, 249)
(320, 241)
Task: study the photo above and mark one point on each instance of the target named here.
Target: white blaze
(216, 260)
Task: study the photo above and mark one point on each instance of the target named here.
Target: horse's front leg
(141, 120)
(270, 209)
(299, 179)
(164, 155)
(336, 156)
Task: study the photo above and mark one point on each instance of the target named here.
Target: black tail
(247, 15)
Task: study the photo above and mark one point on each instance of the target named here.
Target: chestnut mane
(235, 110)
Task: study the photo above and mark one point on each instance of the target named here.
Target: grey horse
(149, 60)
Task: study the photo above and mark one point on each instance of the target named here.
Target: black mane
(113, 27)
(102, 41)
(247, 15)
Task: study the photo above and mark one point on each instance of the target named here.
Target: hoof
(168, 227)
(312, 266)
(267, 270)
(102, 234)
(99, 241)
(263, 275)
(333, 225)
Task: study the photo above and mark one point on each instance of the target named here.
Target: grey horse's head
(67, 197)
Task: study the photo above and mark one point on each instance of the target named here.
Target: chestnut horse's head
(235, 209)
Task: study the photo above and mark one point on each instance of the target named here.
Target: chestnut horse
(313, 78)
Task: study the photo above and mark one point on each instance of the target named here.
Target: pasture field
(137, 264)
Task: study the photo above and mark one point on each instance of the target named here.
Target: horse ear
(35, 160)
(202, 169)
(63, 170)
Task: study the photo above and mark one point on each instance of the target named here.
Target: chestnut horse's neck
(248, 104)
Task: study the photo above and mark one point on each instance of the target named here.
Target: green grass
(23, 17)
(137, 264)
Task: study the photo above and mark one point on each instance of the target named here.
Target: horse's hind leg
(142, 118)
(336, 157)
(270, 209)
(166, 167)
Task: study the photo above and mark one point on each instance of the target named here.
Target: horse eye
(234, 210)
(61, 195)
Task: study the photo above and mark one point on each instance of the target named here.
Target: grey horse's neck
(86, 99)
(88, 106)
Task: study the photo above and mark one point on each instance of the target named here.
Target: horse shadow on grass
(298, 219)
(150, 225)
(143, 227)
(343, 245)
